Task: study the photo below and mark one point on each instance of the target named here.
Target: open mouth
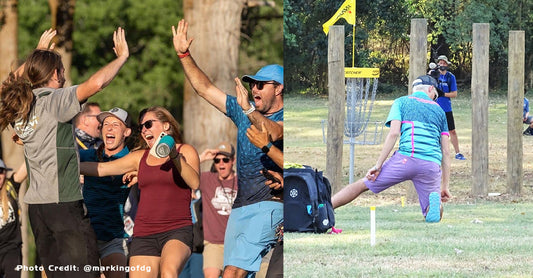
(109, 138)
(149, 138)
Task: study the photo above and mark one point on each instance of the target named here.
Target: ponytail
(16, 100)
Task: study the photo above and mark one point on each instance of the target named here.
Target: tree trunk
(215, 26)
(62, 15)
(12, 154)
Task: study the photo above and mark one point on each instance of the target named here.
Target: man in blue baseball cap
(422, 156)
(257, 210)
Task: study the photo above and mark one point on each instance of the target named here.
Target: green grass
(500, 246)
(478, 240)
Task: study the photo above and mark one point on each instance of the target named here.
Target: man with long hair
(35, 103)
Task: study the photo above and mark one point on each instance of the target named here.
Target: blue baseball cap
(266, 73)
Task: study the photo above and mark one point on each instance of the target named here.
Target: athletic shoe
(335, 231)
(433, 214)
(460, 156)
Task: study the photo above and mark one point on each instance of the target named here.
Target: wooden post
(336, 99)
(417, 67)
(418, 51)
(480, 108)
(515, 102)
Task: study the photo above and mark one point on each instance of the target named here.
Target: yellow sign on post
(361, 72)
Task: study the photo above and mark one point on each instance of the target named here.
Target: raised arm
(208, 154)
(198, 79)
(128, 163)
(44, 43)
(103, 77)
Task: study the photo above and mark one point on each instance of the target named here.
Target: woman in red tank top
(162, 235)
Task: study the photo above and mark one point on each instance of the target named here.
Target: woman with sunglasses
(163, 234)
(219, 189)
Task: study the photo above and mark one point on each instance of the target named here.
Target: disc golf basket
(360, 97)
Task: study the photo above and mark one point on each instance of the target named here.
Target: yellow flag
(346, 11)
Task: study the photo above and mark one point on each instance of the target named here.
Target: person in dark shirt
(10, 237)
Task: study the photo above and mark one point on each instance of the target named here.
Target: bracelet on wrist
(187, 53)
(249, 111)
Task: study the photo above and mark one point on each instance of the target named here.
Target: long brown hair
(164, 116)
(5, 201)
(16, 97)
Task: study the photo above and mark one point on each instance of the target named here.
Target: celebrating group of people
(79, 221)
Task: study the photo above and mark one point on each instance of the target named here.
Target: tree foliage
(382, 37)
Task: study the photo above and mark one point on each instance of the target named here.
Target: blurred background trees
(382, 38)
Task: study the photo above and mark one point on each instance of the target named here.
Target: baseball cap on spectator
(443, 58)
(118, 113)
(266, 73)
(3, 166)
(226, 149)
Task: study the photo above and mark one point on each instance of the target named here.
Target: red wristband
(187, 53)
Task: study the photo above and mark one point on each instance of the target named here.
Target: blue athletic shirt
(447, 83)
(423, 123)
(105, 198)
(250, 159)
(526, 107)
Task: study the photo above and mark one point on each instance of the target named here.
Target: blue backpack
(307, 201)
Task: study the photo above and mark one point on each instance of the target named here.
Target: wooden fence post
(417, 67)
(336, 100)
(515, 102)
(419, 49)
(480, 108)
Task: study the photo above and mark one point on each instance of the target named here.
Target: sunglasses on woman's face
(259, 84)
(148, 124)
(217, 160)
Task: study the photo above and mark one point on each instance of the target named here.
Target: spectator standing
(448, 85)
(87, 127)
(105, 196)
(526, 118)
(163, 233)
(255, 211)
(10, 236)
(219, 189)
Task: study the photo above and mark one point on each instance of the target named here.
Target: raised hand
(121, 45)
(242, 95)
(179, 37)
(208, 154)
(46, 38)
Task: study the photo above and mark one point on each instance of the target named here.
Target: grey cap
(425, 80)
(119, 113)
(3, 166)
(443, 58)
